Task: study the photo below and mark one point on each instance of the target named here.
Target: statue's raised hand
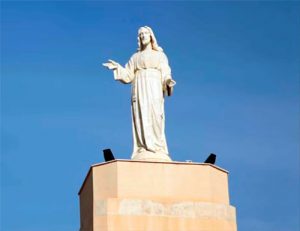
(111, 65)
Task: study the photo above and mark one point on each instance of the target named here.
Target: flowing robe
(148, 72)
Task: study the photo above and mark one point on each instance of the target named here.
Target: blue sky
(237, 70)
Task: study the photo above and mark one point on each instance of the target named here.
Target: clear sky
(237, 67)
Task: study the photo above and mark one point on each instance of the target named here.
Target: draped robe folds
(148, 72)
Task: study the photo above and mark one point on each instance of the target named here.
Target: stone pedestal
(123, 195)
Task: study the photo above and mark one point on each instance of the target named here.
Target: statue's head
(145, 33)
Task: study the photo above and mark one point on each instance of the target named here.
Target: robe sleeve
(125, 75)
(167, 81)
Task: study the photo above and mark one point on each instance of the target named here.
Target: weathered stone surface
(141, 196)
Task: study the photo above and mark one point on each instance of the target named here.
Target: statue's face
(145, 36)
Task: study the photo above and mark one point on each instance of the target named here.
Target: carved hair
(154, 44)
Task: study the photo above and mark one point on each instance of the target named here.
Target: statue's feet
(151, 156)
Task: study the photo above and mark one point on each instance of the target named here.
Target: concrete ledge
(153, 162)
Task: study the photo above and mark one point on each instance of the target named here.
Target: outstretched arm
(111, 65)
(125, 75)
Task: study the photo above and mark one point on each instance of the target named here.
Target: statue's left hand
(170, 83)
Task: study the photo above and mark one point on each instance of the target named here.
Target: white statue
(149, 73)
